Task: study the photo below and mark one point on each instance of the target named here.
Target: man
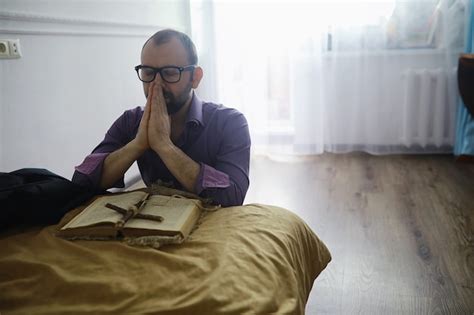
(200, 147)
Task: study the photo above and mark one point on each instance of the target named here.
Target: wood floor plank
(400, 229)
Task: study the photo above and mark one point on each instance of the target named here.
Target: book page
(96, 212)
(175, 212)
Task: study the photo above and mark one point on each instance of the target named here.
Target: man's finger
(147, 111)
(150, 93)
(160, 99)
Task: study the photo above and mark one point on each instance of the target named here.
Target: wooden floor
(399, 228)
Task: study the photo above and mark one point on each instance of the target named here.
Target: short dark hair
(166, 35)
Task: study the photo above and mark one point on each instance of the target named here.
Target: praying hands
(155, 129)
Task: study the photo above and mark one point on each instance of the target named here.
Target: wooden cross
(134, 212)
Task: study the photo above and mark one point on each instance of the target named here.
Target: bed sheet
(252, 259)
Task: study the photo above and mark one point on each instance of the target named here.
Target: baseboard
(465, 158)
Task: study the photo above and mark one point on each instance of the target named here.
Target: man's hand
(183, 168)
(141, 139)
(159, 125)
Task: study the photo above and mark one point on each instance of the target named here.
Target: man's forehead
(171, 52)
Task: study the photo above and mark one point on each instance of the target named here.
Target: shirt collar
(195, 111)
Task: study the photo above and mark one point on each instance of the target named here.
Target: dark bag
(33, 196)
(466, 81)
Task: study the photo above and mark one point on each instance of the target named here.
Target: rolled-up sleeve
(226, 182)
(89, 172)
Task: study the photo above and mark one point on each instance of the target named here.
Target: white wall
(169, 13)
(76, 75)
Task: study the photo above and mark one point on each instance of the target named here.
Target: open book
(135, 214)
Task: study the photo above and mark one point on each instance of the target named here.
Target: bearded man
(197, 146)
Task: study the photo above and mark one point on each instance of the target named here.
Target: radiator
(429, 107)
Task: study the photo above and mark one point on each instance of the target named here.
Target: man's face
(171, 53)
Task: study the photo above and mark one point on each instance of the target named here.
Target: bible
(137, 217)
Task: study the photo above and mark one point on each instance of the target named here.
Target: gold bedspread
(253, 259)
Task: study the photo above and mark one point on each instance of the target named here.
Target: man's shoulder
(132, 115)
(129, 120)
(213, 111)
(225, 121)
(134, 112)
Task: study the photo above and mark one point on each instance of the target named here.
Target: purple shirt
(214, 136)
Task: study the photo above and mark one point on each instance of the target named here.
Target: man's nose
(159, 80)
(158, 76)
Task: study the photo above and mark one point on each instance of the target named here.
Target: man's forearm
(183, 168)
(117, 163)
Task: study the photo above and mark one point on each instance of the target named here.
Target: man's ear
(197, 76)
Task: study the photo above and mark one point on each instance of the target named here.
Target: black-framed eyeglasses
(170, 74)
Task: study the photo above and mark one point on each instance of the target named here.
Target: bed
(252, 259)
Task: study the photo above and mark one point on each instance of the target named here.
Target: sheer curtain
(336, 76)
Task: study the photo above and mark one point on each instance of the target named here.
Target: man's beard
(174, 104)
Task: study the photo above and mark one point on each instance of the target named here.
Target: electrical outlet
(4, 49)
(10, 49)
